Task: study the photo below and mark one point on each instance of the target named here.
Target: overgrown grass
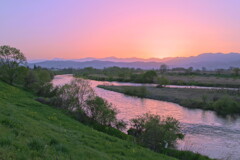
(202, 80)
(31, 130)
(136, 91)
(184, 155)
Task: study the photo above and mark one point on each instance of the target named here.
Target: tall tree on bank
(163, 68)
(10, 60)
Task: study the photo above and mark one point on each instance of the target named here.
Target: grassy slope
(30, 130)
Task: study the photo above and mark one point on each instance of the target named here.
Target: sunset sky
(46, 29)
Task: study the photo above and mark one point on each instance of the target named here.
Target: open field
(198, 80)
(188, 97)
(212, 81)
(31, 130)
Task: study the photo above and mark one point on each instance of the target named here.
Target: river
(205, 132)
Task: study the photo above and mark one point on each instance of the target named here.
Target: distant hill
(96, 64)
(208, 60)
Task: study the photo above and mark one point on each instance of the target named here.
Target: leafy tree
(236, 71)
(153, 132)
(149, 76)
(219, 71)
(189, 70)
(103, 112)
(10, 60)
(31, 79)
(163, 68)
(162, 81)
(21, 73)
(44, 75)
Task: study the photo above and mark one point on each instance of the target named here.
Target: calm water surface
(206, 133)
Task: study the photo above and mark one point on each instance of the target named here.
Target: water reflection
(206, 133)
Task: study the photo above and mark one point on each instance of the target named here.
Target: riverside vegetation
(175, 76)
(68, 129)
(222, 101)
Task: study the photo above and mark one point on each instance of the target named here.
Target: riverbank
(222, 101)
(29, 129)
(184, 80)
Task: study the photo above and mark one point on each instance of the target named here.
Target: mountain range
(207, 60)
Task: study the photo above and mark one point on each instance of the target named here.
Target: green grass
(201, 80)
(31, 130)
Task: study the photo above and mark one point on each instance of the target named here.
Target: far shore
(206, 99)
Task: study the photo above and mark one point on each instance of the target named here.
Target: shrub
(47, 90)
(38, 81)
(103, 112)
(226, 105)
(154, 133)
(74, 96)
(162, 81)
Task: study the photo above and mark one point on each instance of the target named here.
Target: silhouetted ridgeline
(208, 60)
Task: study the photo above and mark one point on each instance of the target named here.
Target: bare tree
(75, 95)
(163, 68)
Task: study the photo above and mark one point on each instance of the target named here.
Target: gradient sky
(122, 28)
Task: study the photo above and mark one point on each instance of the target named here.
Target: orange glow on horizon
(123, 29)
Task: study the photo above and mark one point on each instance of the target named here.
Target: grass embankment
(31, 130)
(222, 101)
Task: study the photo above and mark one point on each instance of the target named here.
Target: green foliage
(204, 99)
(31, 80)
(21, 73)
(104, 113)
(162, 81)
(10, 59)
(226, 105)
(79, 98)
(74, 96)
(12, 70)
(115, 74)
(136, 91)
(5, 141)
(163, 68)
(149, 76)
(38, 137)
(153, 132)
(36, 144)
(184, 155)
(37, 80)
(192, 98)
(236, 71)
